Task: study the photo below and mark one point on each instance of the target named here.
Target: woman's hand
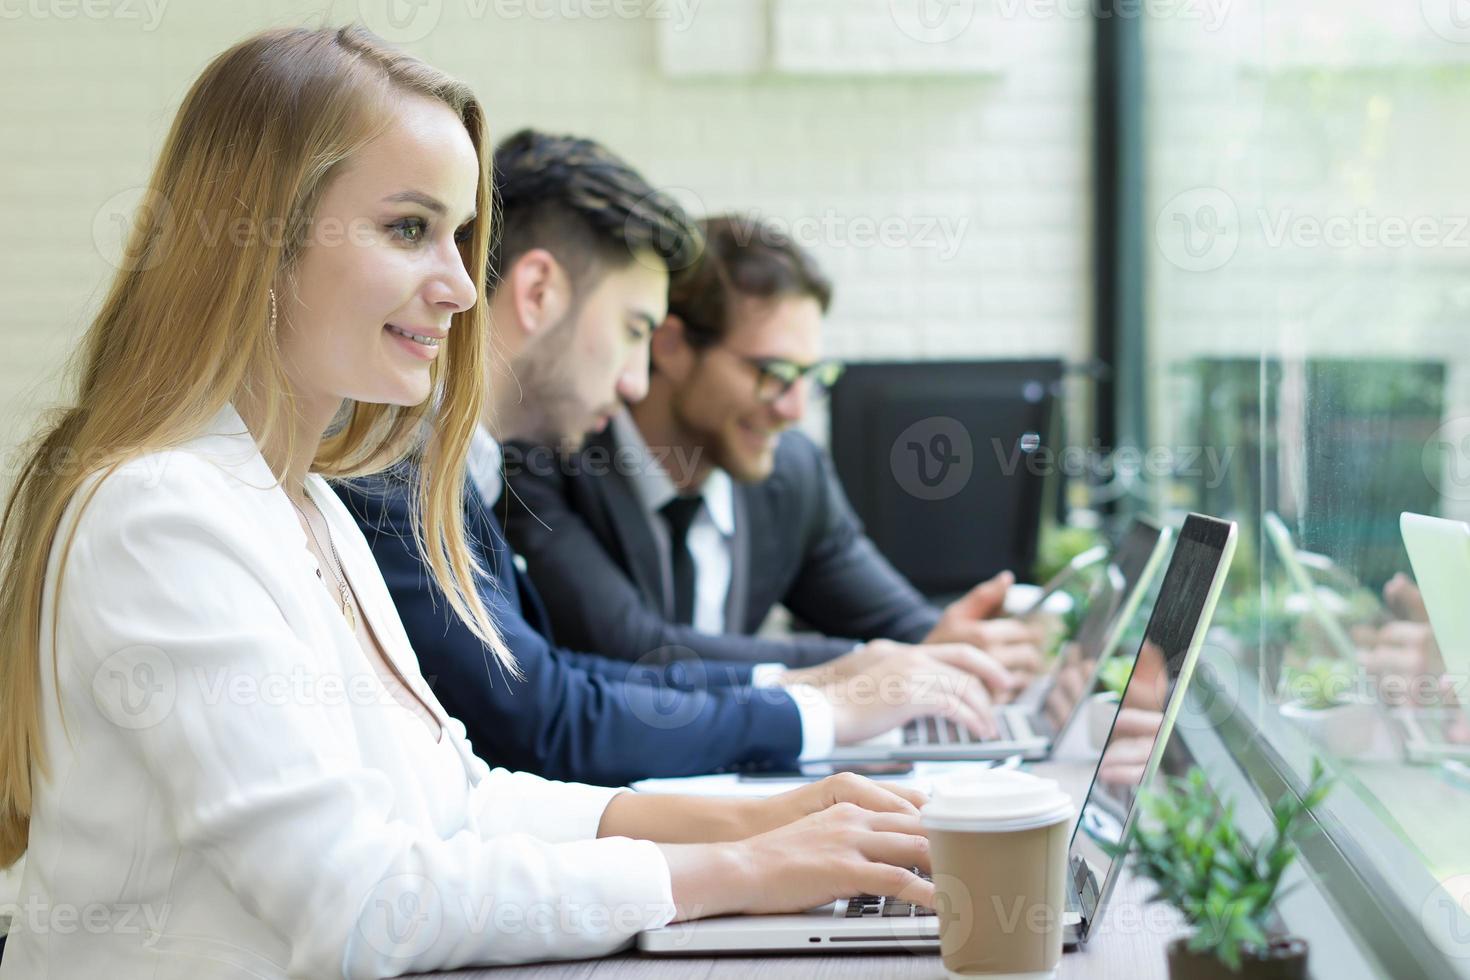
(785, 808)
(842, 851)
(839, 852)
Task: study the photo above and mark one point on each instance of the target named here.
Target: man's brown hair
(743, 257)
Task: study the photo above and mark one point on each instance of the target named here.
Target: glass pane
(1307, 297)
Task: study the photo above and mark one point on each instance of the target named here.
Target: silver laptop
(1042, 714)
(1170, 648)
(1439, 553)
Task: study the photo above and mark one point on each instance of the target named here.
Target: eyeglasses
(775, 376)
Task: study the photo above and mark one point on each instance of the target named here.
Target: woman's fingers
(915, 798)
(891, 880)
(879, 797)
(899, 850)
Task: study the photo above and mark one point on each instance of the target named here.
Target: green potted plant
(1188, 845)
(1322, 703)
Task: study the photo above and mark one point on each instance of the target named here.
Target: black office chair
(938, 461)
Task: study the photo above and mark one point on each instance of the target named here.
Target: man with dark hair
(723, 511)
(579, 277)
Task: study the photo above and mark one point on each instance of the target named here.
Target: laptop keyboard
(884, 907)
(942, 731)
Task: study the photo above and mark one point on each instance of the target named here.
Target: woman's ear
(669, 352)
(541, 291)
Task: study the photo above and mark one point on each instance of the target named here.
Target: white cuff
(818, 722)
(764, 675)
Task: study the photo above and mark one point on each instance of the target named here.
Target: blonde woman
(219, 756)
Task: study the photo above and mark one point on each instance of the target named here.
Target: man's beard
(548, 410)
(710, 445)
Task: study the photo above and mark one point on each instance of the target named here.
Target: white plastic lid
(995, 800)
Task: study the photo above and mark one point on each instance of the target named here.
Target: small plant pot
(1345, 730)
(1101, 709)
(1283, 959)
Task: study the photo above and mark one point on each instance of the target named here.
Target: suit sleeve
(685, 673)
(273, 793)
(563, 721)
(845, 586)
(607, 611)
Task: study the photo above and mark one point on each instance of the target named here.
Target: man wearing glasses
(700, 508)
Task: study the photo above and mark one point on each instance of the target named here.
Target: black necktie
(680, 513)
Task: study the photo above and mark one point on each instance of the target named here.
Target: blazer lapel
(739, 594)
(630, 526)
(373, 598)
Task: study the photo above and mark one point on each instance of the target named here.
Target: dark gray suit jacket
(797, 542)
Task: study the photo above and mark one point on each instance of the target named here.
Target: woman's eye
(463, 235)
(411, 230)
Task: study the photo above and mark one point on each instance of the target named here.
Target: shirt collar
(651, 483)
(484, 465)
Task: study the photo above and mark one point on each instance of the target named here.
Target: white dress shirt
(711, 544)
(232, 792)
(484, 465)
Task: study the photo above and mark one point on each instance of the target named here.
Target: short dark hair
(743, 256)
(582, 203)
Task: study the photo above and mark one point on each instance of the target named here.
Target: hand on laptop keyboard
(887, 907)
(818, 859)
(942, 731)
(906, 682)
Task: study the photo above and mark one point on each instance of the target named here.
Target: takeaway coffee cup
(998, 852)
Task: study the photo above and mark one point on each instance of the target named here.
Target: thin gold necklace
(337, 571)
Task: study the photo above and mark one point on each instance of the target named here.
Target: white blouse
(232, 792)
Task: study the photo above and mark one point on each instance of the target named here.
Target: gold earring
(273, 310)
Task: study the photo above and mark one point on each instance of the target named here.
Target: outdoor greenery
(1058, 545)
(1115, 673)
(1323, 683)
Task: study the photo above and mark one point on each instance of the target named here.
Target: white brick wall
(985, 174)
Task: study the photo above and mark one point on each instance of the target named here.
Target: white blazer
(231, 791)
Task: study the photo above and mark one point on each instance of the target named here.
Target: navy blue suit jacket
(574, 716)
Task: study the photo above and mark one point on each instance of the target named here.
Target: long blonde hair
(186, 326)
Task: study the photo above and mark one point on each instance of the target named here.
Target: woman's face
(382, 273)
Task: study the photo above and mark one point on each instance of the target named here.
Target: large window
(1306, 288)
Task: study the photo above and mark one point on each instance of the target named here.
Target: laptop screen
(1111, 597)
(1167, 652)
